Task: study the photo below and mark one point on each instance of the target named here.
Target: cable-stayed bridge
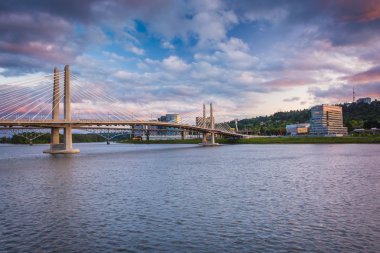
(62, 101)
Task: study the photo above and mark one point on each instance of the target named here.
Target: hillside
(355, 115)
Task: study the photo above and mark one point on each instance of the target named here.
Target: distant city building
(364, 100)
(170, 117)
(297, 129)
(327, 120)
(173, 118)
(162, 119)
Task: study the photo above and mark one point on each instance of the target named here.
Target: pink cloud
(287, 82)
(361, 11)
(371, 75)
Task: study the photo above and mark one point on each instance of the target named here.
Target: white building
(297, 129)
(366, 100)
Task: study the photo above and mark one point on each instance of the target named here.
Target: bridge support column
(147, 134)
(183, 134)
(212, 139)
(68, 138)
(54, 139)
(204, 138)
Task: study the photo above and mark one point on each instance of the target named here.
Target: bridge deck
(96, 123)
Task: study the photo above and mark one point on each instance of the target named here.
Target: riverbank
(272, 140)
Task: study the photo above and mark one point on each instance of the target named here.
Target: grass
(307, 140)
(272, 140)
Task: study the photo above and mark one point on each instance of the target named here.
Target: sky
(249, 58)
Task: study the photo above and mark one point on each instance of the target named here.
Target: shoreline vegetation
(375, 139)
(274, 140)
(355, 116)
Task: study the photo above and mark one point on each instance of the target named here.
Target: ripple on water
(160, 198)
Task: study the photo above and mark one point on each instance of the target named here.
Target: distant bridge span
(94, 124)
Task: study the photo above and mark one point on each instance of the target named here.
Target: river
(186, 198)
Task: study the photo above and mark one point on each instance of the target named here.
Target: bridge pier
(147, 134)
(67, 146)
(204, 138)
(183, 134)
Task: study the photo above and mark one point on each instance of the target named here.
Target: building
(173, 118)
(170, 117)
(297, 129)
(366, 100)
(327, 120)
(162, 119)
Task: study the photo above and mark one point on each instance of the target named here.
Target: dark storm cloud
(71, 9)
(343, 22)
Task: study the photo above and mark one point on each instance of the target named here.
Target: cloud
(286, 83)
(344, 92)
(174, 63)
(150, 51)
(363, 11)
(274, 15)
(292, 99)
(135, 50)
(369, 76)
(167, 45)
(232, 53)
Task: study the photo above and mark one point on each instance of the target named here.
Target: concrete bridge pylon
(209, 138)
(67, 146)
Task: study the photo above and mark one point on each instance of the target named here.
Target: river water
(186, 198)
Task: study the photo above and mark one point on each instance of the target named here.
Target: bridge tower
(212, 120)
(211, 140)
(54, 139)
(204, 135)
(67, 146)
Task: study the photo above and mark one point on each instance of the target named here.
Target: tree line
(44, 139)
(355, 115)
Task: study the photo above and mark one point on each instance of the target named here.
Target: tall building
(327, 120)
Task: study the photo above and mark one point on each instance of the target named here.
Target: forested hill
(355, 115)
